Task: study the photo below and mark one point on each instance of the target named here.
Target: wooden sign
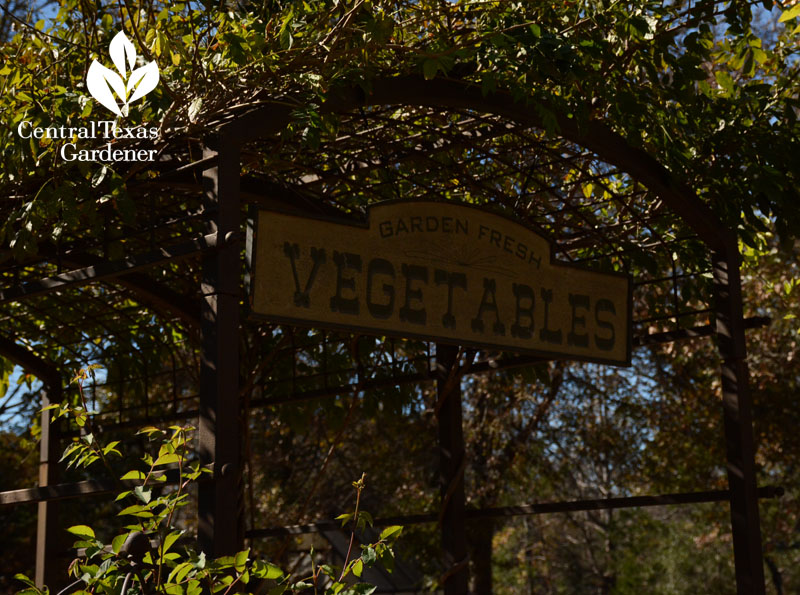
(442, 272)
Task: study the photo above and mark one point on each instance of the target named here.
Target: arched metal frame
(218, 422)
(219, 529)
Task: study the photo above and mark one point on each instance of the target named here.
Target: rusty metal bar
(526, 510)
(55, 492)
(220, 529)
(705, 330)
(81, 489)
(110, 269)
(148, 291)
(451, 471)
(738, 417)
(48, 529)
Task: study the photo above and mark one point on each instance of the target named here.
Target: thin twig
(359, 485)
(37, 31)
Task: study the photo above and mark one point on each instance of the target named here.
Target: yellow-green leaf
(166, 459)
(790, 14)
(133, 475)
(392, 531)
(170, 539)
(82, 531)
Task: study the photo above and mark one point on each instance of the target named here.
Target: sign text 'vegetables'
(438, 271)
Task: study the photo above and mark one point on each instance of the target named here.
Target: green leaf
(142, 494)
(391, 532)
(358, 568)
(792, 13)
(25, 579)
(386, 557)
(240, 560)
(224, 562)
(725, 81)
(75, 446)
(179, 572)
(364, 518)
(83, 531)
(430, 68)
(116, 543)
(166, 459)
(170, 540)
(369, 555)
(112, 447)
(133, 475)
(149, 430)
(200, 563)
(266, 570)
(137, 510)
(344, 518)
(222, 584)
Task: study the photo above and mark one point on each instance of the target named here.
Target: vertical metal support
(220, 528)
(452, 463)
(481, 536)
(738, 416)
(49, 571)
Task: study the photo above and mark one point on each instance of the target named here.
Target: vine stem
(359, 485)
(92, 430)
(181, 435)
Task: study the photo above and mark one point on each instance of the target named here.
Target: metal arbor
(409, 138)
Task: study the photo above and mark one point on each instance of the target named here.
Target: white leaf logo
(120, 48)
(116, 91)
(143, 80)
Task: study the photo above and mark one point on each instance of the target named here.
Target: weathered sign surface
(439, 271)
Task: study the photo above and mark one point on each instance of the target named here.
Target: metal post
(451, 445)
(737, 408)
(48, 570)
(220, 529)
